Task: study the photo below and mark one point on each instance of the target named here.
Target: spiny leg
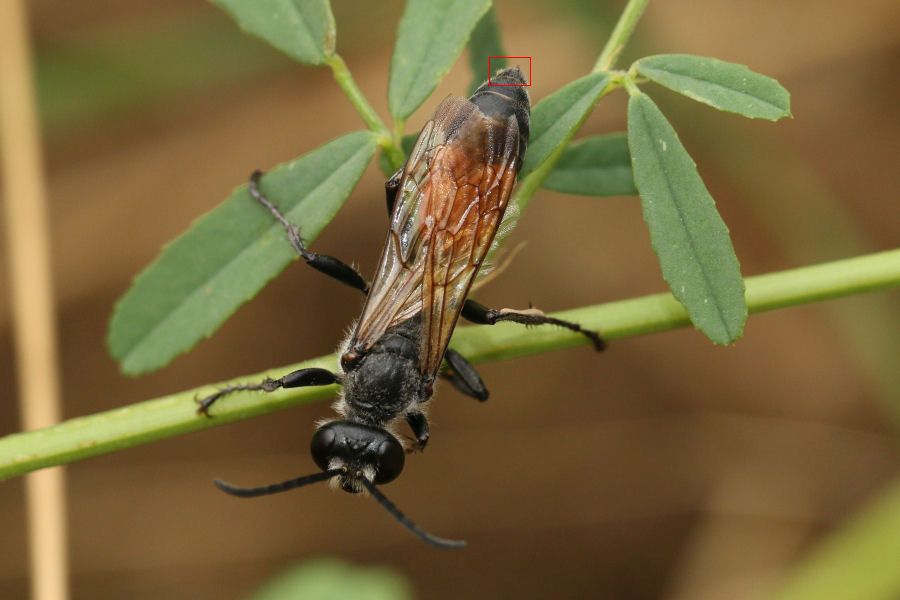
(294, 379)
(324, 263)
(419, 425)
(478, 313)
(463, 376)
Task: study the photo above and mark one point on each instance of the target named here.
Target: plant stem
(31, 292)
(617, 40)
(620, 35)
(532, 182)
(172, 415)
(630, 86)
(345, 80)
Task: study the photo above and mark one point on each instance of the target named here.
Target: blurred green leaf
(688, 235)
(594, 166)
(722, 85)
(334, 580)
(408, 142)
(861, 560)
(431, 35)
(485, 42)
(117, 71)
(229, 254)
(555, 119)
(302, 29)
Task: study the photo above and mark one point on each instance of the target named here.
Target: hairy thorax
(384, 382)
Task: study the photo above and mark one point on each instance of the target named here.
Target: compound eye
(322, 446)
(390, 460)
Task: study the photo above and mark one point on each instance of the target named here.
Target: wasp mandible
(446, 205)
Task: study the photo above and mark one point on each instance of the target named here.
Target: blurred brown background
(666, 468)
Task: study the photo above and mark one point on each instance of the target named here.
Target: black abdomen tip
(504, 95)
(509, 76)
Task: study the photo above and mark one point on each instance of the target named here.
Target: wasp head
(359, 452)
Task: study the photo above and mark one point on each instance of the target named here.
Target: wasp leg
(390, 190)
(299, 378)
(464, 377)
(329, 265)
(478, 313)
(419, 425)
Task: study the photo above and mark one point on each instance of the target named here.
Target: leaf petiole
(620, 35)
(345, 80)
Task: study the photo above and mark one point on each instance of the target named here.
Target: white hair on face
(335, 463)
(368, 471)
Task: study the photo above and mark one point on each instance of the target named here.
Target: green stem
(620, 35)
(630, 86)
(345, 80)
(173, 415)
(533, 181)
(617, 40)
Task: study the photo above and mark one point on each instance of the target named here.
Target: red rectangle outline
(509, 84)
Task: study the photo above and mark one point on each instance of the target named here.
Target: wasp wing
(479, 177)
(453, 193)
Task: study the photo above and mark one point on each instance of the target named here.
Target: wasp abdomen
(504, 96)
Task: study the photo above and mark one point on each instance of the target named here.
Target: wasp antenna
(407, 522)
(275, 488)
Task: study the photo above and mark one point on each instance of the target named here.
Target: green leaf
(229, 254)
(723, 85)
(302, 29)
(858, 561)
(686, 231)
(594, 166)
(83, 81)
(431, 35)
(485, 42)
(329, 579)
(556, 118)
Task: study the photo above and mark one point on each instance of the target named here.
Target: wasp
(446, 206)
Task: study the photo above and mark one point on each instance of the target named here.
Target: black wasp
(446, 205)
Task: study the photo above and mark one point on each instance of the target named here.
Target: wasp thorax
(360, 450)
(380, 387)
